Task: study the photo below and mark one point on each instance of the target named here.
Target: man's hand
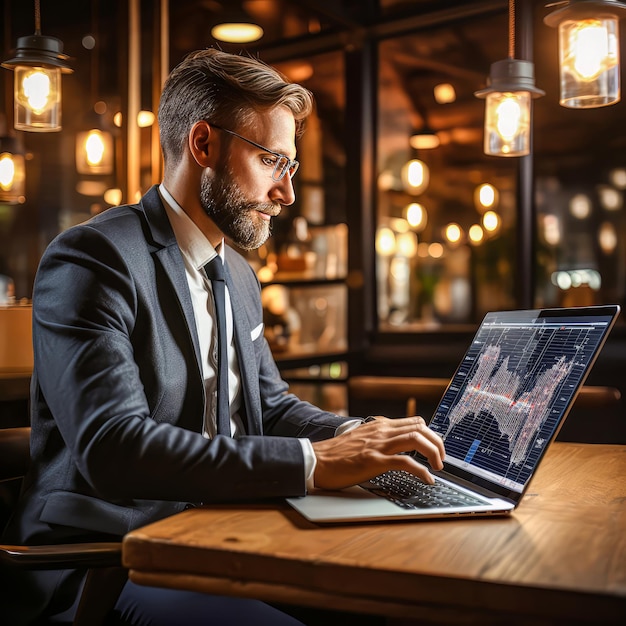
(373, 448)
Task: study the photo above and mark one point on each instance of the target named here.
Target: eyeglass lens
(283, 166)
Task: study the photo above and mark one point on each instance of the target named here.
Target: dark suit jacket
(118, 396)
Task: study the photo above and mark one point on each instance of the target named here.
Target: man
(124, 420)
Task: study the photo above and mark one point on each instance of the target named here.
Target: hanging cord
(511, 29)
(37, 18)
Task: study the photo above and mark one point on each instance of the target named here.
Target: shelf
(304, 358)
(298, 279)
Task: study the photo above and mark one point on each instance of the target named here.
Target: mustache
(268, 208)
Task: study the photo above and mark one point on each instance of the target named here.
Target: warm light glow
(444, 93)
(552, 230)
(453, 233)
(416, 216)
(476, 234)
(508, 118)
(399, 225)
(113, 196)
(407, 244)
(7, 171)
(94, 147)
(507, 123)
(36, 90)
(435, 250)
(422, 250)
(385, 242)
(590, 45)
(491, 221)
(37, 98)
(145, 119)
(589, 62)
(580, 206)
(94, 152)
(265, 274)
(610, 198)
(607, 237)
(415, 176)
(90, 188)
(618, 177)
(424, 141)
(237, 32)
(485, 197)
(12, 178)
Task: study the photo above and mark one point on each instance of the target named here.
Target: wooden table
(560, 559)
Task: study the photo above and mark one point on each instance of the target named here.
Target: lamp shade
(589, 68)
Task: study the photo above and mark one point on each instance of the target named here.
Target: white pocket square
(256, 333)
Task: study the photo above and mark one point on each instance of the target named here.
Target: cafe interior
(417, 211)
(463, 157)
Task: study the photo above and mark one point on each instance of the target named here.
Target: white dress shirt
(197, 251)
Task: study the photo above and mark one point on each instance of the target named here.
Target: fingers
(409, 464)
(375, 447)
(409, 434)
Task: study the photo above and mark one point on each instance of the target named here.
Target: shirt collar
(191, 241)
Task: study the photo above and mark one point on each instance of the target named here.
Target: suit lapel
(170, 257)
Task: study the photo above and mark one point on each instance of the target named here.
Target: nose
(283, 192)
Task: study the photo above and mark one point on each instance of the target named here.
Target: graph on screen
(509, 394)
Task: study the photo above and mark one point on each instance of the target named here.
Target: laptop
(503, 407)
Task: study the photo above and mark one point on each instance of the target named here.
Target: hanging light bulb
(12, 172)
(38, 64)
(94, 152)
(424, 139)
(588, 52)
(508, 102)
(508, 107)
(415, 176)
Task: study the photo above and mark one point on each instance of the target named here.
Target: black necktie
(215, 272)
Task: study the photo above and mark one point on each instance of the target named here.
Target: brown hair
(224, 89)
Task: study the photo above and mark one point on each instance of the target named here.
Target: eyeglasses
(282, 165)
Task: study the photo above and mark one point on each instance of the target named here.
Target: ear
(203, 144)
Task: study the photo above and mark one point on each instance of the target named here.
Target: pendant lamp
(38, 64)
(589, 69)
(508, 102)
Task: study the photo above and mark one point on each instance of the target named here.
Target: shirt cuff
(309, 463)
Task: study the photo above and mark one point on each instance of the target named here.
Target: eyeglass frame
(291, 167)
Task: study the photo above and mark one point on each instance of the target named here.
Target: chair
(105, 574)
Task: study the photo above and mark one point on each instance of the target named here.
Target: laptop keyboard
(409, 492)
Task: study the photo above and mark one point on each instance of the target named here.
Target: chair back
(14, 461)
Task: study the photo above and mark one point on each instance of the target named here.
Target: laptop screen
(513, 388)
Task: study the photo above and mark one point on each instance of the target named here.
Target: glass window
(446, 212)
(447, 241)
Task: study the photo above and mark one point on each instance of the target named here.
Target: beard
(237, 218)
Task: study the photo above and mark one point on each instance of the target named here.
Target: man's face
(240, 195)
(238, 218)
